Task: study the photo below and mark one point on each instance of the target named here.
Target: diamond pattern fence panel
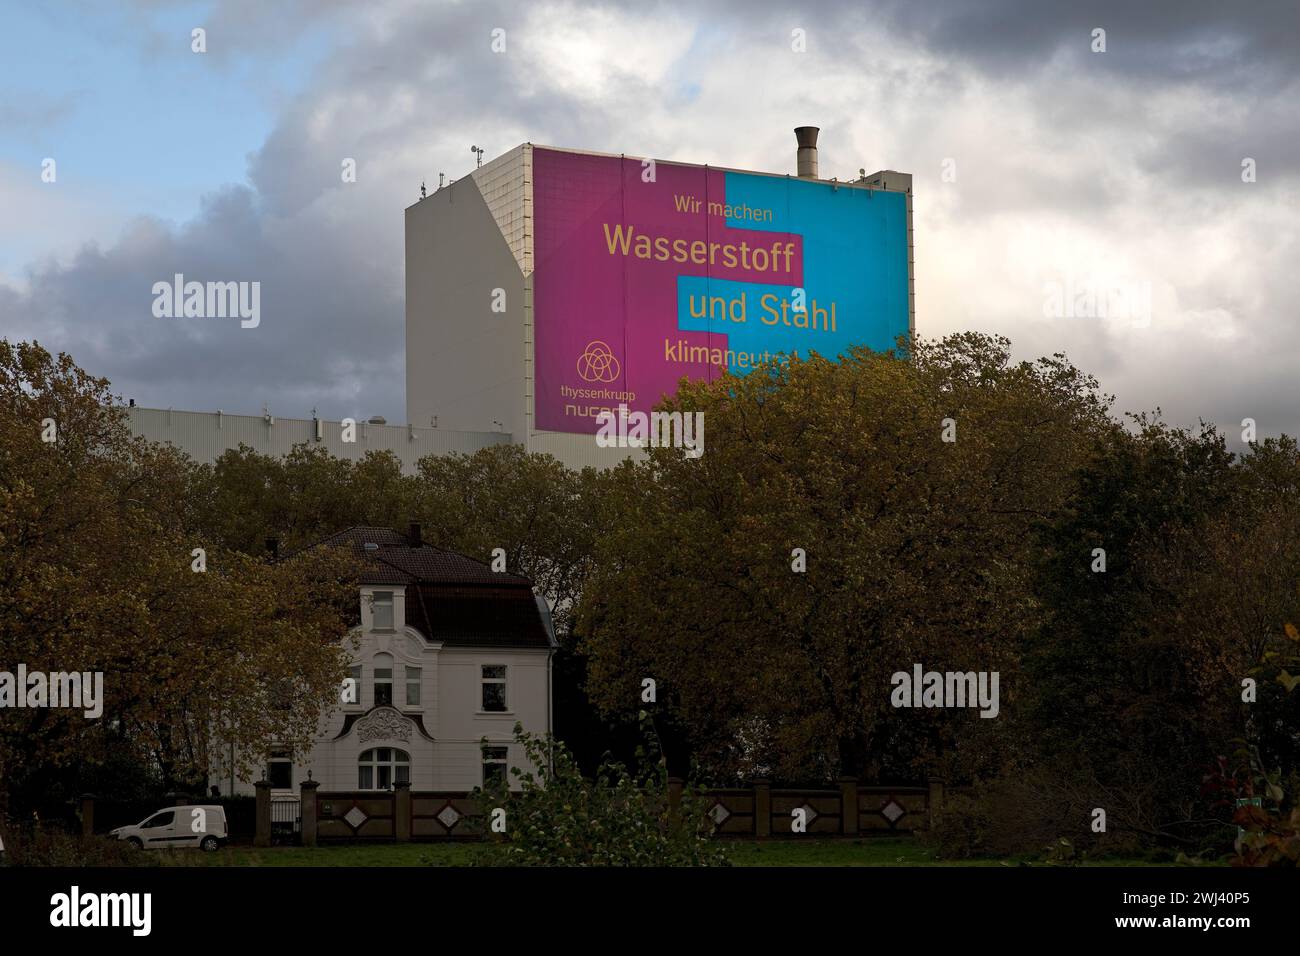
(732, 811)
(821, 812)
(735, 812)
(893, 809)
(364, 815)
(443, 816)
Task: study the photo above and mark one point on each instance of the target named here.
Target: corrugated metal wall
(506, 186)
(204, 436)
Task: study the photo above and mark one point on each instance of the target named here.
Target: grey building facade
(204, 436)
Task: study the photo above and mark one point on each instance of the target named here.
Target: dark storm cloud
(1202, 40)
(1139, 149)
(1240, 56)
(328, 333)
(328, 255)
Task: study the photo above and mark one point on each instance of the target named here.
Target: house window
(383, 680)
(381, 767)
(279, 770)
(413, 687)
(494, 687)
(353, 691)
(383, 610)
(494, 765)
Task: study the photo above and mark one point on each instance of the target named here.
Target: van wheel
(209, 844)
(135, 843)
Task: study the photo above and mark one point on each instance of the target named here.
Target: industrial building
(205, 436)
(550, 285)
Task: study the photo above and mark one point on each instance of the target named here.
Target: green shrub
(38, 845)
(1271, 837)
(1039, 813)
(961, 831)
(621, 818)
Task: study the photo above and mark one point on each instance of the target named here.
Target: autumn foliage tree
(849, 519)
(918, 550)
(99, 572)
(541, 515)
(538, 513)
(306, 496)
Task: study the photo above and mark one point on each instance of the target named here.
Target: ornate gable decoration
(384, 723)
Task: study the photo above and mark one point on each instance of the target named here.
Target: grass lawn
(880, 851)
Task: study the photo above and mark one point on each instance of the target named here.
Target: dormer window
(383, 610)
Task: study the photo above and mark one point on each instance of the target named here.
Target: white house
(449, 652)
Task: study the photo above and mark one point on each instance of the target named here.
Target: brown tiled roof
(357, 535)
(476, 616)
(446, 567)
(395, 561)
(450, 597)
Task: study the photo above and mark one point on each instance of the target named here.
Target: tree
(917, 549)
(1133, 674)
(247, 497)
(65, 490)
(99, 573)
(536, 511)
(622, 817)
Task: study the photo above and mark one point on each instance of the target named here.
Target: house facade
(448, 653)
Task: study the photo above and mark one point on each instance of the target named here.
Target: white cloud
(1122, 169)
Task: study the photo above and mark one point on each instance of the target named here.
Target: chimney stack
(807, 156)
(413, 535)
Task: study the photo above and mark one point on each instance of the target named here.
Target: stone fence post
(87, 814)
(307, 810)
(402, 811)
(849, 806)
(262, 832)
(675, 800)
(934, 803)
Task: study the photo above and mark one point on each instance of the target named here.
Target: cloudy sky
(1040, 168)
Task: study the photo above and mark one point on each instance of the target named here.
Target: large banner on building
(639, 281)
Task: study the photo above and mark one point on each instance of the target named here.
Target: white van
(203, 826)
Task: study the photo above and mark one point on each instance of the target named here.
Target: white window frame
(414, 682)
(373, 763)
(504, 681)
(503, 761)
(376, 680)
(376, 604)
(356, 672)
